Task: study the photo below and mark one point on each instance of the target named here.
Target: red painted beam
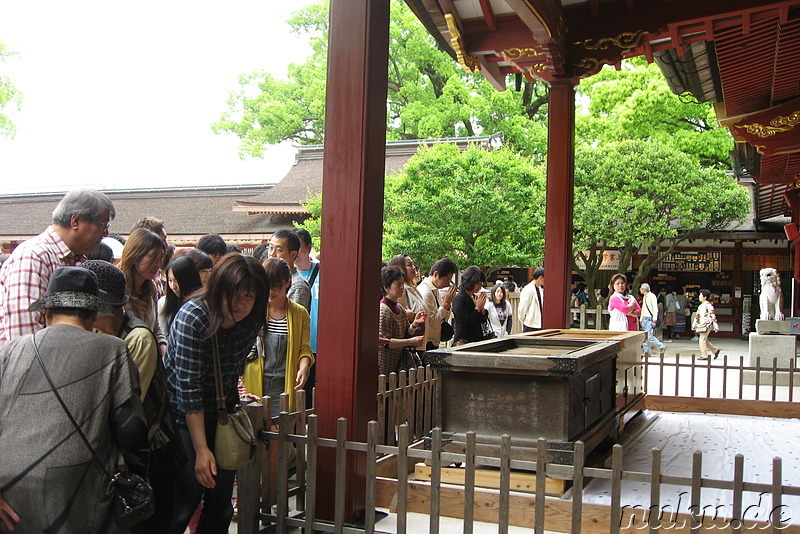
(558, 211)
(488, 14)
(352, 221)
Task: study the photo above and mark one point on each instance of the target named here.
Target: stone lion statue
(771, 299)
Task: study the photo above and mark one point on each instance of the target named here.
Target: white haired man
(649, 316)
(80, 221)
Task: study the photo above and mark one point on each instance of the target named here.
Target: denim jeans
(648, 326)
(217, 506)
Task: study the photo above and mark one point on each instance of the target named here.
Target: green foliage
(640, 195)
(313, 224)
(636, 103)
(477, 207)
(429, 94)
(10, 97)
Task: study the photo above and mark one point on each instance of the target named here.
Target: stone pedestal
(783, 348)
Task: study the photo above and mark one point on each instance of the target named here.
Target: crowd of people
(111, 342)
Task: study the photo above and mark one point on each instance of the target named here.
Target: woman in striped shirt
(287, 355)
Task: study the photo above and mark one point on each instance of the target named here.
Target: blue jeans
(217, 506)
(648, 326)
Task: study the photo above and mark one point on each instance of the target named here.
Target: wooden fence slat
(708, 377)
(616, 488)
(777, 496)
(300, 471)
(541, 481)
(382, 407)
(371, 459)
(738, 490)
(741, 374)
(392, 422)
(758, 377)
(791, 379)
(311, 477)
(436, 479)
(267, 488)
(692, 376)
(697, 484)
(469, 483)
(283, 470)
(420, 403)
(402, 479)
(505, 482)
(341, 465)
(724, 376)
(653, 517)
(774, 377)
(577, 487)
(250, 477)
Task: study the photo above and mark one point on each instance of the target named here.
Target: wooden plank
(490, 478)
(785, 410)
(595, 518)
(387, 465)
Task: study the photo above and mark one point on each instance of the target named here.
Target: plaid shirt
(189, 361)
(24, 278)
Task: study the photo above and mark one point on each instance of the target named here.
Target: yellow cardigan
(297, 348)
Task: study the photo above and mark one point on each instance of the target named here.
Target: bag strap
(222, 411)
(314, 273)
(66, 410)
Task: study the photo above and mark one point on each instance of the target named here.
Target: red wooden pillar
(352, 215)
(558, 214)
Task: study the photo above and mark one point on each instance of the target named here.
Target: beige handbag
(235, 442)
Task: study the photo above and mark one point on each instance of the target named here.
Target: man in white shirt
(649, 316)
(438, 307)
(531, 302)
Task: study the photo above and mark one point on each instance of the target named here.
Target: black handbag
(133, 497)
(447, 331)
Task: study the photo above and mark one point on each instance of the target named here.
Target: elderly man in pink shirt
(80, 221)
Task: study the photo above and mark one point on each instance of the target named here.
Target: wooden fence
(502, 489)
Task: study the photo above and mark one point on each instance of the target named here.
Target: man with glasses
(80, 221)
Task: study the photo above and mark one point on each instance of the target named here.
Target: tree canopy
(641, 195)
(10, 97)
(429, 95)
(477, 207)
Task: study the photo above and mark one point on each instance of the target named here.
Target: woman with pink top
(623, 308)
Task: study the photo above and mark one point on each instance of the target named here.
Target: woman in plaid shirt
(230, 308)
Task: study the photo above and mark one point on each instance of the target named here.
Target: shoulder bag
(235, 441)
(133, 497)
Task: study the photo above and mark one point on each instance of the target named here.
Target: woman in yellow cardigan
(284, 355)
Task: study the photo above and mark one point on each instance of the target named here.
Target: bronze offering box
(630, 367)
(528, 387)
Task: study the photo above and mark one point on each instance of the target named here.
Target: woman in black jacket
(472, 321)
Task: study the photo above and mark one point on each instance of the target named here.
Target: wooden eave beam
(488, 14)
(612, 22)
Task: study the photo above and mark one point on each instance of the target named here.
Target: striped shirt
(24, 278)
(278, 326)
(189, 361)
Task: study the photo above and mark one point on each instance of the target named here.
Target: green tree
(429, 94)
(10, 97)
(636, 103)
(477, 207)
(644, 197)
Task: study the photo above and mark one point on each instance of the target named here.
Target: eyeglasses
(104, 224)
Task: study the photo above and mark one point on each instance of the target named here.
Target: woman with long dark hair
(228, 313)
(183, 279)
(499, 311)
(141, 262)
(469, 308)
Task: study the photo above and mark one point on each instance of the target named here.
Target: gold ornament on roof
(468, 63)
(625, 41)
(777, 125)
(514, 54)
